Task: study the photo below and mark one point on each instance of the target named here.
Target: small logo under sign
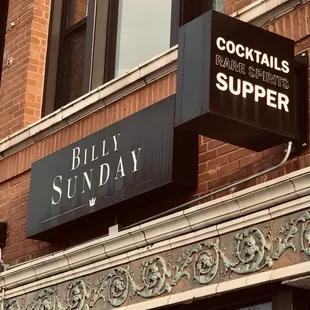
(92, 202)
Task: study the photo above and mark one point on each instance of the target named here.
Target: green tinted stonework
(233, 255)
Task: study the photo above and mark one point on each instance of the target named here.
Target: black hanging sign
(236, 83)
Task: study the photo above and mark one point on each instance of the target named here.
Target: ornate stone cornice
(264, 202)
(215, 260)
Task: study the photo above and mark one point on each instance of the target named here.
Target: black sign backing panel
(132, 157)
(236, 82)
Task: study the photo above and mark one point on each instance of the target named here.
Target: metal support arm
(182, 206)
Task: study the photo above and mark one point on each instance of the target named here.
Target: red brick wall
(231, 6)
(219, 163)
(21, 84)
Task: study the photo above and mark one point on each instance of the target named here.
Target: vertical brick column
(22, 79)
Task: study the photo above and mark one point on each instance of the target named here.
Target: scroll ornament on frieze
(253, 251)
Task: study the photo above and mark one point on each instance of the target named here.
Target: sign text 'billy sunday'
(84, 181)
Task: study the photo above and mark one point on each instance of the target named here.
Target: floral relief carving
(12, 304)
(200, 263)
(76, 295)
(285, 239)
(112, 287)
(252, 251)
(44, 300)
(205, 259)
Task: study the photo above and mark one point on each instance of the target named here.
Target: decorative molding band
(107, 94)
(211, 261)
(275, 199)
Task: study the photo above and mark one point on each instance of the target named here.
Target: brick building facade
(40, 273)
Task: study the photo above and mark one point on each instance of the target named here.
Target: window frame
(64, 33)
(57, 35)
(99, 55)
(184, 11)
(51, 70)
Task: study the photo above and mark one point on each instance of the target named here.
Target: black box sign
(236, 82)
(135, 156)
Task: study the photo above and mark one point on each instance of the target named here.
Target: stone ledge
(178, 266)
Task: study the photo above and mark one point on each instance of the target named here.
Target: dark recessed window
(94, 41)
(4, 6)
(73, 40)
